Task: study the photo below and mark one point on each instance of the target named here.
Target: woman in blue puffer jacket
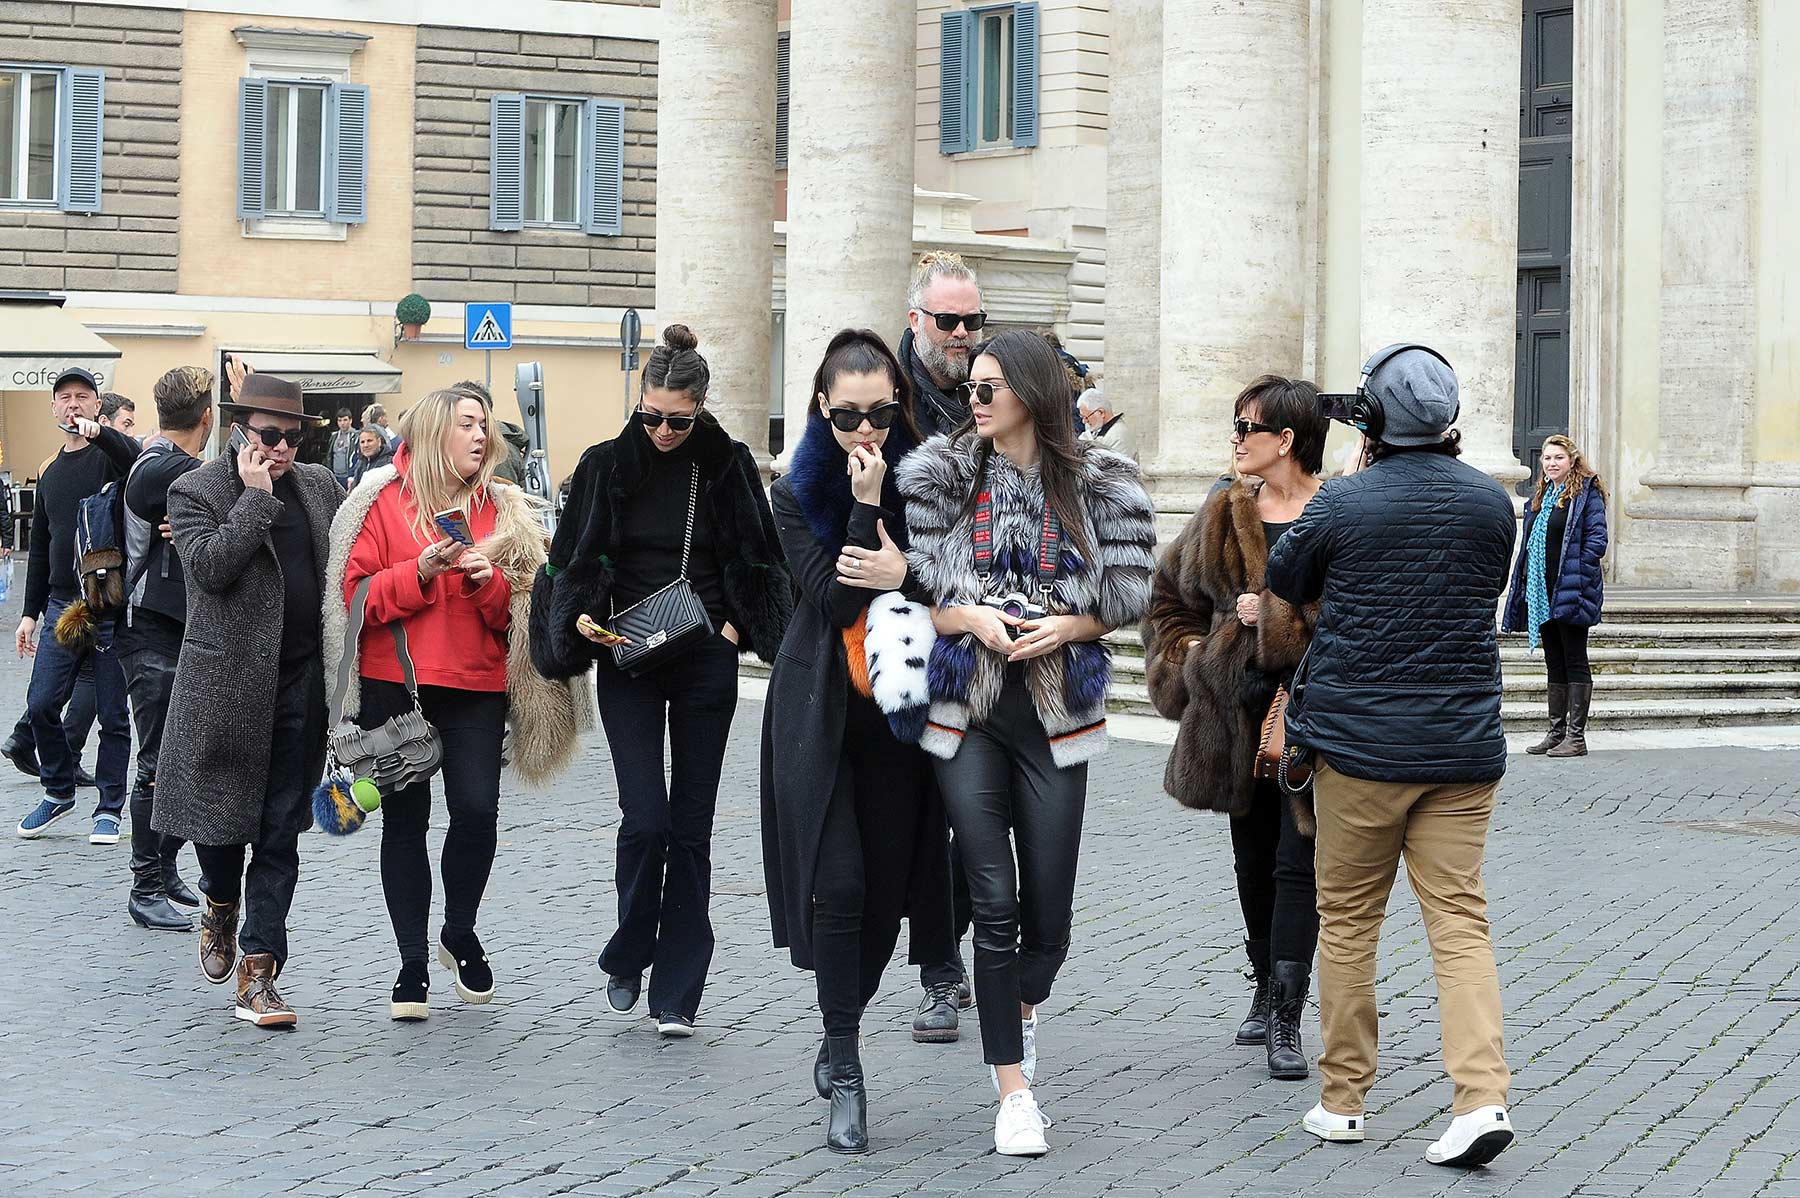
(1557, 589)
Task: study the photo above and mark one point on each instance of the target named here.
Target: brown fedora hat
(277, 397)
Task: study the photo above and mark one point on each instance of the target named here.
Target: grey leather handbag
(397, 753)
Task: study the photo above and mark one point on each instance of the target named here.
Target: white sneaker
(1334, 1128)
(1028, 1061)
(1473, 1139)
(1019, 1127)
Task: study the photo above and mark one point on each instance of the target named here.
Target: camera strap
(1049, 550)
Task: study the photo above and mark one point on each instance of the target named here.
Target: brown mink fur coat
(1207, 670)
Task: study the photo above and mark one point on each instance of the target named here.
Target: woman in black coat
(625, 536)
(852, 823)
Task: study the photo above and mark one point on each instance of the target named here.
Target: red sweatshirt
(455, 633)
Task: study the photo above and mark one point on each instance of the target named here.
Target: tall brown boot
(257, 1000)
(1559, 719)
(1581, 695)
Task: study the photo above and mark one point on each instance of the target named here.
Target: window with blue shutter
(955, 73)
(605, 189)
(506, 201)
(253, 104)
(347, 156)
(782, 41)
(1025, 75)
(81, 139)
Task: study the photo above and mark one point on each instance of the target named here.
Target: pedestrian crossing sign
(487, 326)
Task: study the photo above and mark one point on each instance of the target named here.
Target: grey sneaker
(938, 1021)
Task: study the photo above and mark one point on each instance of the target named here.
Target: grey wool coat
(211, 777)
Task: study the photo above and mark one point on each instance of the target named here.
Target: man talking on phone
(91, 456)
(246, 722)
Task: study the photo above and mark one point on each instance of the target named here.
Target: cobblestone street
(1644, 905)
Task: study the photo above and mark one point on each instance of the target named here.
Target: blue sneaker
(106, 829)
(47, 812)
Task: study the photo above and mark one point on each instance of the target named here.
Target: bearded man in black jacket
(1399, 700)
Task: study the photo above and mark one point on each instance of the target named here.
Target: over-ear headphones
(1365, 410)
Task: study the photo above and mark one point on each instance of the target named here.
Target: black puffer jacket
(1402, 682)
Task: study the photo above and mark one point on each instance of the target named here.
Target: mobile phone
(455, 525)
(239, 440)
(595, 625)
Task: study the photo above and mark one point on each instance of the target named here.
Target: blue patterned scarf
(1537, 583)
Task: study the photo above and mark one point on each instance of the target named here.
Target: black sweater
(161, 589)
(649, 555)
(71, 477)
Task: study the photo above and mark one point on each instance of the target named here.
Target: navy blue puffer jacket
(1577, 589)
(1402, 682)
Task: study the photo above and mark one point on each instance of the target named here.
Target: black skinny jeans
(472, 726)
(873, 830)
(1275, 877)
(1565, 652)
(664, 869)
(1003, 786)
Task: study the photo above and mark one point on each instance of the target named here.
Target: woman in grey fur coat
(1033, 546)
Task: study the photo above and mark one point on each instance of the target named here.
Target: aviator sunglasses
(654, 420)
(947, 321)
(848, 420)
(982, 393)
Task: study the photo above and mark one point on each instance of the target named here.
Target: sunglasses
(981, 393)
(947, 321)
(653, 420)
(1243, 428)
(848, 420)
(271, 437)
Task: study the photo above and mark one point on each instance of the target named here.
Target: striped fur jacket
(1068, 688)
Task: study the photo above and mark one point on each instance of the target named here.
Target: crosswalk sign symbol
(487, 326)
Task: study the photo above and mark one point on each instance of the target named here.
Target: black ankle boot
(148, 905)
(849, 1127)
(1255, 1028)
(822, 1069)
(174, 889)
(1287, 1058)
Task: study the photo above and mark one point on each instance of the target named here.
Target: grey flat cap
(1418, 397)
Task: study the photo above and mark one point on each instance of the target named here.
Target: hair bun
(679, 337)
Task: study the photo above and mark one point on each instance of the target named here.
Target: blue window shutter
(956, 121)
(604, 170)
(253, 103)
(782, 42)
(347, 154)
(1025, 75)
(81, 137)
(506, 198)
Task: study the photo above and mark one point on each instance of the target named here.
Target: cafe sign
(40, 374)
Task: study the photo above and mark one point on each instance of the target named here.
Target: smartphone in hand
(455, 525)
(239, 440)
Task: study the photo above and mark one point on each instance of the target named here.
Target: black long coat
(803, 766)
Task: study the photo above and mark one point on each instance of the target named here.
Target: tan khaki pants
(1441, 828)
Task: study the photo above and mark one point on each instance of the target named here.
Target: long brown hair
(1036, 376)
(1580, 474)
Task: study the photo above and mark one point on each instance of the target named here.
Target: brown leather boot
(257, 1000)
(218, 941)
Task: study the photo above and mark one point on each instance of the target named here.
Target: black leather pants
(1003, 790)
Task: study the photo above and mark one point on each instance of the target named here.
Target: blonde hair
(431, 482)
(1580, 474)
(938, 264)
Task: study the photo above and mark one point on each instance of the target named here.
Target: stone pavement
(1644, 905)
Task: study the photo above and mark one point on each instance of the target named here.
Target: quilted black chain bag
(667, 621)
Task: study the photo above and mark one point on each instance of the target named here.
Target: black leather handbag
(665, 622)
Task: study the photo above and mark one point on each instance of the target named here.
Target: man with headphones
(1398, 701)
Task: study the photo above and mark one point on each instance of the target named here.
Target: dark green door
(1546, 112)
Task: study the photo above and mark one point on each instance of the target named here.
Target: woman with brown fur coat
(1217, 645)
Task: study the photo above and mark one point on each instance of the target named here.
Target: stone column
(1440, 199)
(1234, 263)
(715, 197)
(1698, 527)
(1134, 218)
(852, 108)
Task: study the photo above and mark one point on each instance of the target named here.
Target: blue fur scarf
(820, 478)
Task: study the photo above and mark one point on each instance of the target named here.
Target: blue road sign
(487, 326)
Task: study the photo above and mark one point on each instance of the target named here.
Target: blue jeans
(52, 683)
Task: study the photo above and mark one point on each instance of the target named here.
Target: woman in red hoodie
(455, 601)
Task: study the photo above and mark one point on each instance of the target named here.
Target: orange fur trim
(858, 656)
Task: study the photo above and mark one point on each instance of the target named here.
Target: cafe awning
(38, 341)
(327, 373)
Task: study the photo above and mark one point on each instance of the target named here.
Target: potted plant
(412, 313)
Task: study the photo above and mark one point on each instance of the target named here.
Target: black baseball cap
(76, 372)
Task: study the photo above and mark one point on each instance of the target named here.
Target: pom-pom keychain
(342, 802)
(76, 629)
